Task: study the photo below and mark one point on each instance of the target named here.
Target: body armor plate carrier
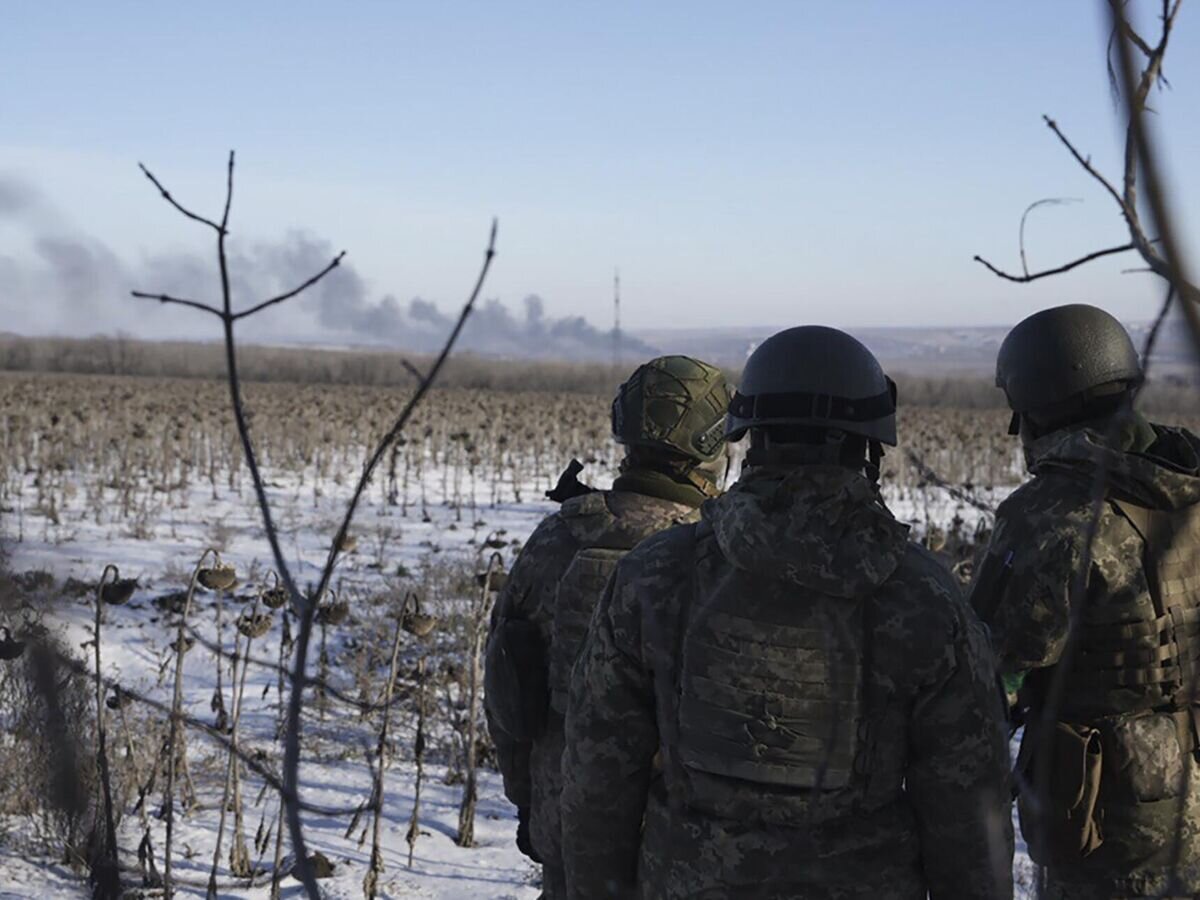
(578, 593)
(1158, 657)
(771, 702)
(607, 524)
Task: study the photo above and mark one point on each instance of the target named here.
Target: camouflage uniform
(1121, 681)
(786, 700)
(587, 533)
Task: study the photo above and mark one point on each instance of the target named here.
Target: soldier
(1099, 642)
(670, 415)
(789, 699)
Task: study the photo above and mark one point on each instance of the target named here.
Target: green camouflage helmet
(1064, 352)
(673, 403)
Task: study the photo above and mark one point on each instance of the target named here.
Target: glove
(524, 842)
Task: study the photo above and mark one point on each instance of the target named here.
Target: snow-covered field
(394, 553)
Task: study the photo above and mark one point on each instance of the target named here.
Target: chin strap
(703, 481)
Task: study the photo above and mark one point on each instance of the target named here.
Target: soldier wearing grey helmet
(1108, 778)
(789, 699)
(670, 416)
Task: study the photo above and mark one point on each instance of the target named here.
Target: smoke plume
(63, 281)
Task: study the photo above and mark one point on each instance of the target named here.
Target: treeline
(297, 365)
(120, 355)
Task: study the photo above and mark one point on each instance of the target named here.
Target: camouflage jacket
(1024, 589)
(786, 700)
(531, 769)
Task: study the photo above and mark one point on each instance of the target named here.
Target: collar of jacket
(693, 490)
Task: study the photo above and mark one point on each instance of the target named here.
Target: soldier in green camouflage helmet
(670, 416)
(1106, 768)
(789, 699)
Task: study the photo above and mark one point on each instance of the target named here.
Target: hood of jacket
(1149, 465)
(819, 527)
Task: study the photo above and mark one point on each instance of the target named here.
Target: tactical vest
(607, 525)
(1154, 659)
(772, 716)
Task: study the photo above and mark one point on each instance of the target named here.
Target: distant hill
(917, 351)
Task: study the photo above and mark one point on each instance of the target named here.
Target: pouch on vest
(515, 679)
(576, 599)
(771, 694)
(1061, 827)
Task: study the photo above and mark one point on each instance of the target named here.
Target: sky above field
(766, 163)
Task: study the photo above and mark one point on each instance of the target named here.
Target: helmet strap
(765, 451)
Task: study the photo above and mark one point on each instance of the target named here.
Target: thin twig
(167, 298)
(292, 293)
(205, 728)
(291, 758)
(305, 606)
(412, 370)
(1045, 201)
(1026, 278)
(355, 703)
(1176, 273)
(166, 195)
(928, 474)
(1085, 162)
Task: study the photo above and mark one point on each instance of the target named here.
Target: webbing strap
(1169, 674)
(1158, 626)
(1117, 659)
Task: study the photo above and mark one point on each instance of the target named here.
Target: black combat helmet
(818, 377)
(1062, 357)
(674, 404)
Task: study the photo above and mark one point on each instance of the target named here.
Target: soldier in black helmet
(789, 699)
(670, 416)
(1110, 736)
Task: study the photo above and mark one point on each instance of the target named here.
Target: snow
(396, 548)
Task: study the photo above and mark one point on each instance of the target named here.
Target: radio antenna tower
(616, 320)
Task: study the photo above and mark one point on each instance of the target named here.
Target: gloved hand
(524, 842)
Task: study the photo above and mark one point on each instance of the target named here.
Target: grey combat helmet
(815, 376)
(1062, 357)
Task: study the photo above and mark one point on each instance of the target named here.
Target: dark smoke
(72, 283)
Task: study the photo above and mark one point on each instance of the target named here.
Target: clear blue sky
(770, 163)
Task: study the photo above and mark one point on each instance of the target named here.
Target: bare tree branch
(1045, 201)
(412, 370)
(1170, 264)
(1086, 162)
(228, 193)
(166, 195)
(305, 606)
(291, 758)
(167, 298)
(1026, 278)
(292, 293)
(1139, 153)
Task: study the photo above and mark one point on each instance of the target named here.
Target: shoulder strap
(1142, 520)
(671, 764)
